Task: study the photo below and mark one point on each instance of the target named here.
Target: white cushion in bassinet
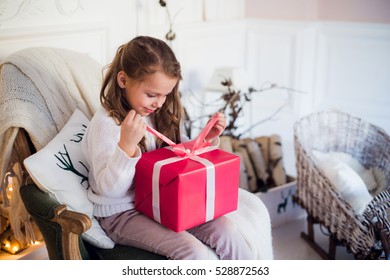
(367, 175)
(61, 170)
(346, 181)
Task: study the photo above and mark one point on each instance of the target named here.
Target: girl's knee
(204, 252)
(193, 251)
(227, 227)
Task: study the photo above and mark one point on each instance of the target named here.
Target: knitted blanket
(39, 90)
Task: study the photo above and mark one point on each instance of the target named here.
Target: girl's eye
(150, 95)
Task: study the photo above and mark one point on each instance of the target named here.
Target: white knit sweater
(111, 171)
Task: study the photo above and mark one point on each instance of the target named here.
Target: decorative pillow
(61, 170)
(346, 181)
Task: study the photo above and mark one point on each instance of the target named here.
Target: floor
(288, 245)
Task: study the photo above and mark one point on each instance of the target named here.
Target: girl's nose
(158, 103)
(155, 104)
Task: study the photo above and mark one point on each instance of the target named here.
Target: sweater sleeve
(111, 170)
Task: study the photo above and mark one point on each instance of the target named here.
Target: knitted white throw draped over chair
(32, 98)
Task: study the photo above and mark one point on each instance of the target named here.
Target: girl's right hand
(132, 131)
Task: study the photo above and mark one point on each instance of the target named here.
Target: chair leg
(310, 239)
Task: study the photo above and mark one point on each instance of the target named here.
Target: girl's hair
(138, 58)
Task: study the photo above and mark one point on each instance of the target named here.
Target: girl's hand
(218, 127)
(132, 131)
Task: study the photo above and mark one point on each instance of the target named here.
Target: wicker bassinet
(365, 236)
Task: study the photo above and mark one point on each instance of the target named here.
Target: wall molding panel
(91, 39)
(352, 70)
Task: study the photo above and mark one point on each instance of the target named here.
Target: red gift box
(181, 192)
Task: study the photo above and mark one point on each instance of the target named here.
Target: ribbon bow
(190, 148)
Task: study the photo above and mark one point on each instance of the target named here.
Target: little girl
(141, 87)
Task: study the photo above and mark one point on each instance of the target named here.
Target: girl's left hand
(218, 127)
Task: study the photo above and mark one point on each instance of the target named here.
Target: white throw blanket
(39, 90)
(253, 220)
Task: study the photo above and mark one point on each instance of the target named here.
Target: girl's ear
(121, 79)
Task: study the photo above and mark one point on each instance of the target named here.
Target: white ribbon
(210, 185)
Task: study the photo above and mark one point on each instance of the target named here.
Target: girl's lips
(149, 110)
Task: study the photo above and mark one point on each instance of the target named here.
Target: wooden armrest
(60, 227)
(72, 224)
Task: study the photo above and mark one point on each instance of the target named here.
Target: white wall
(337, 64)
(85, 25)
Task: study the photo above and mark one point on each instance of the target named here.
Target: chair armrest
(60, 227)
(73, 224)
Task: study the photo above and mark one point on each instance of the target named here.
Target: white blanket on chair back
(39, 90)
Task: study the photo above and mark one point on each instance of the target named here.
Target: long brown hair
(138, 58)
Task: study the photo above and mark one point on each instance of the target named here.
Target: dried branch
(234, 102)
(170, 35)
(269, 118)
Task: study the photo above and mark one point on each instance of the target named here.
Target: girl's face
(148, 95)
